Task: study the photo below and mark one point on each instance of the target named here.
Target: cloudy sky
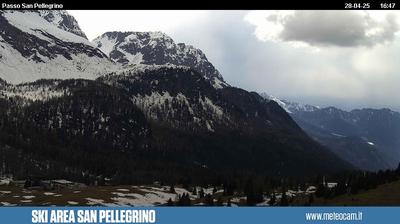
(348, 59)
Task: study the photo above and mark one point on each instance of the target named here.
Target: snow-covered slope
(290, 107)
(46, 44)
(171, 94)
(156, 48)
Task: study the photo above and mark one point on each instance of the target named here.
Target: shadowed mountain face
(168, 116)
(367, 138)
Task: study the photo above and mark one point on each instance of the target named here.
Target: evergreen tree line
(354, 182)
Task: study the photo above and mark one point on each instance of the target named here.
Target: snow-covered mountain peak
(118, 41)
(156, 48)
(46, 45)
(62, 20)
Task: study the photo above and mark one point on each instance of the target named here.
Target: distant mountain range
(367, 138)
(135, 107)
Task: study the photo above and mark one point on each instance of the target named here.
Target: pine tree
(398, 169)
(194, 191)
(272, 201)
(209, 200)
(250, 194)
(219, 201)
(28, 183)
(172, 189)
(321, 190)
(310, 199)
(284, 200)
(179, 202)
(184, 200)
(169, 202)
(258, 197)
(214, 190)
(228, 189)
(201, 193)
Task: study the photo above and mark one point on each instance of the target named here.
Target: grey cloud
(272, 18)
(333, 28)
(328, 77)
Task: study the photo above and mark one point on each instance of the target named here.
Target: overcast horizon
(347, 59)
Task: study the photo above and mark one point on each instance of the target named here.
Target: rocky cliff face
(156, 48)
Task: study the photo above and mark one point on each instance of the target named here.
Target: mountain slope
(228, 123)
(81, 124)
(89, 128)
(44, 44)
(156, 48)
(183, 98)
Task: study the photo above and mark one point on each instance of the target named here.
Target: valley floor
(14, 194)
(88, 195)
